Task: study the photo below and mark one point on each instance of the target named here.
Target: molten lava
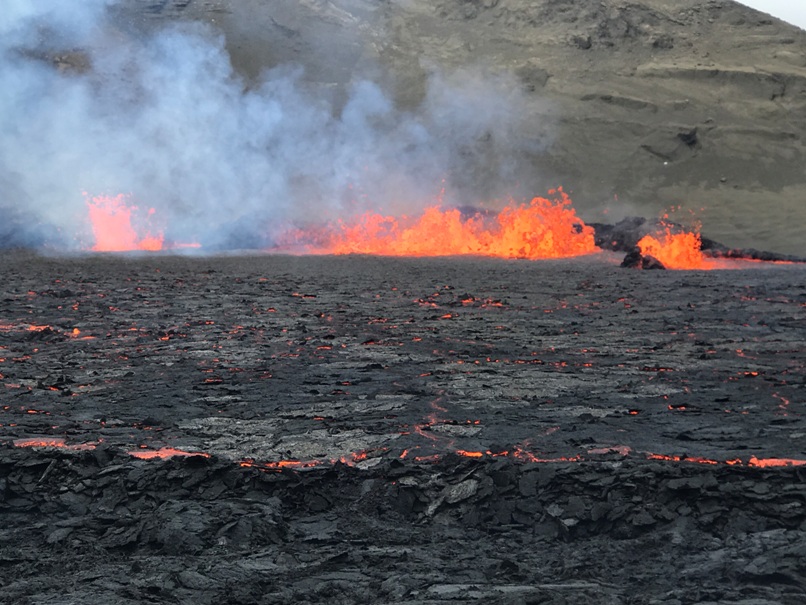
(58, 442)
(775, 462)
(162, 453)
(111, 219)
(544, 228)
(675, 250)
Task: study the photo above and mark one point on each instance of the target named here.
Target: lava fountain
(111, 220)
(543, 228)
(676, 250)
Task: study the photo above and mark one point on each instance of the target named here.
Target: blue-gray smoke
(163, 118)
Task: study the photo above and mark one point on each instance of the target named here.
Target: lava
(350, 459)
(354, 458)
(58, 442)
(694, 459)
(111, 219)
(675, 250)
(163, 452)
(544, 228)
(775, 462)
(40, 442)
(467, 454)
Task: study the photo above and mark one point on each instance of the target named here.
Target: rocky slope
(418, 431)
(634, 107)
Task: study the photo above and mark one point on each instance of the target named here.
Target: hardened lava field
(350, 429)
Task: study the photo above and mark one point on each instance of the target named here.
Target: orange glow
(694, 459)
(150, 242)
(431, 458)
(164, 452)
(280, 464)
(76, 333)
(467, 454)
(111, 219)
(52, 442)
(675, 250)
(40, 442)
(353, 458)
(775, 462)
(521, 454)
(350, 459)
(544, 228)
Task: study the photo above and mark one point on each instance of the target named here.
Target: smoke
(86, 109)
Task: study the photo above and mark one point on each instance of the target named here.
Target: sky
(793, 11)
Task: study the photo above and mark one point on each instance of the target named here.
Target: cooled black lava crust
(617, 420)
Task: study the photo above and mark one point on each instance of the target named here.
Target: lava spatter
(543, 228)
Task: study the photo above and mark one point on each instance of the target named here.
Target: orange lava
(525, 456)
(694, 459)
(111, 219)
(164, 452)
(40, 442)
(52, 442)
(544, 228)
(349, 459)
(280, 464)
(775, 462)
(675, 250)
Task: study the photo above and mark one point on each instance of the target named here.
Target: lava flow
(163, 453)
(675, 250)
(111, 220)
(544, 228)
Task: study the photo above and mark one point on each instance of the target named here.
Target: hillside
(633, 107)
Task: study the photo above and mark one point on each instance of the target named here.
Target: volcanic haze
(235, 118)
(614, 86)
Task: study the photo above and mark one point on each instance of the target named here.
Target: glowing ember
(351, 459)
(111, 219)
(541, 229)
(694, 459)
(525, 456)
(280, 464)
(775, 462)
(52, 442)
(164, 452)
(40, 442)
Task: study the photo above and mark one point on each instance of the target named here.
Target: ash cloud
(88, 108)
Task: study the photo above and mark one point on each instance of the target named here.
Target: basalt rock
(625, 235)
(618, 96)
(353, 429)
(636, 260)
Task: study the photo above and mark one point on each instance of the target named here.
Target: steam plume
(164, 118)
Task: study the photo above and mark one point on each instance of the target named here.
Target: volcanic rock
(349, 430)
(631, 106)
(636, 260)
(560, 447)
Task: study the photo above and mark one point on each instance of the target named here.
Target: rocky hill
(634, 107)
